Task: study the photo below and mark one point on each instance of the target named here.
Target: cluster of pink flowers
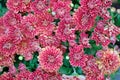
(106, 59)
(42, 25)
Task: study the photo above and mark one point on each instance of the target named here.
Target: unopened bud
(113, 9)
(20, 57)
(72, 5)
(67, 57)
(118, 11)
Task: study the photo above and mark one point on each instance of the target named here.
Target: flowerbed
(58, 40)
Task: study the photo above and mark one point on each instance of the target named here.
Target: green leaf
(118, 37)
(79, 70)
(118, 1)
(66, 70)
(76, 6)
(94, 48)
(32, 64)
(65, 43)
(56, 21)
(65, 60)
(77, 33)
(98, 18)
(3, 11)
(0, 6)
(111, 45)
(117, 20)
(66, 63)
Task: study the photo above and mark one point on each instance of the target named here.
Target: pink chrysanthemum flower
(61, 0)
(99, 34)
(61, 9)
(84, 40)
(6, 60)
(26, 5)
(6, 30)
(92, 5)
(52, 2)
(14, 5)
(72, 42)
(17, 34)
(111, 31)
(106, 3)
(49, 40)
(109, 61)
(67, 1)
(39, 6)
(66, 29)
(95, 76)
(23, 75)
(45, 24)
(91, 70)
(77, 56)
(7, 45)
(83, 19)
(12, 32)
(53, 76)
(19, 5)
(37, 75)
(97, 7)
(104, 13)
(6, 76)
(100, 26)
(50, 59)
(103, 9)
(100, 39)
(29, 26)
(11, 19)
(3, 29)
(28, 46)
(107, 29)
(90, 65)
